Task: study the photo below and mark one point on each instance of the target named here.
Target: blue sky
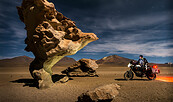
(126, 28)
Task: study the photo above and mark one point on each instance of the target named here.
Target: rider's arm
(146, 60)
(137, 62)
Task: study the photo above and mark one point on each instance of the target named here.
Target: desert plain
(17, 85)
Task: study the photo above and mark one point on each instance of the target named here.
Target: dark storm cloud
(12, 31)
(121, 25)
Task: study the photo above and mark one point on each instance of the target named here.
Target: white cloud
(18, 29)
(138, 21)
(106, 22)
(140, 43)
(151, 42)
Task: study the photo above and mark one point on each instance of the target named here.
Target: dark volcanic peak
(19, 61)
(24, 61)
(66, 61)
(113, 60)
(22, 58)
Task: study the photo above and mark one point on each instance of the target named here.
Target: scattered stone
(83, 67)
(104, 93)
(64, 79)
(50, 37)
(56, 78)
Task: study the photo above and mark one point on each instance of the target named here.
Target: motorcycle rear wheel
(151, 76)
(128, 75)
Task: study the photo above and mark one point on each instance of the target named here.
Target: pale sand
(137, 90)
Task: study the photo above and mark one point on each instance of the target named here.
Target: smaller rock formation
(83, 67)
(101, 94)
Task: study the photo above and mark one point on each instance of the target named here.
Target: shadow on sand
(34, 83)
(57, 77)
(132, 80)
(27, 82)
(83, 76)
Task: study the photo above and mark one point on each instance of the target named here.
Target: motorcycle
(149, 71)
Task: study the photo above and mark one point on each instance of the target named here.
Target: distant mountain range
(23, 61)
(109, 61)
(113, 60)
(117, 61)
(20, 61)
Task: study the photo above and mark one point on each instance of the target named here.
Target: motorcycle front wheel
(151, 76)
(128, 75)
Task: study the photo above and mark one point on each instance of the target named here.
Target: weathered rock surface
(101, 94)
(83, 67)
(50, 37)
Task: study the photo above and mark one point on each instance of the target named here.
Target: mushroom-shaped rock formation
(104, 93)
(50, 37)
(83, 67)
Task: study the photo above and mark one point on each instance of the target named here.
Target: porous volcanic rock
(50, 37)
(83, 67)
(104, 93)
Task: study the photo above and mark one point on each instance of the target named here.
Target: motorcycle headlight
(129, 65)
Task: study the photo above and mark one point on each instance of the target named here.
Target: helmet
(141, 56)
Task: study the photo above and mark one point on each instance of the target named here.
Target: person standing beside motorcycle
(142, 62)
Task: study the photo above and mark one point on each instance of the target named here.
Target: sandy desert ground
(16, 85)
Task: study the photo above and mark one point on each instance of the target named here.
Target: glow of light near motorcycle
(165, 78)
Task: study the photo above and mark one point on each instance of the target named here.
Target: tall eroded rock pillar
(50, 37)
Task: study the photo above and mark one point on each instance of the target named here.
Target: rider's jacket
(142, 62)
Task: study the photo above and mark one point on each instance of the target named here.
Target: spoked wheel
(151, 76)
(128, 75)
